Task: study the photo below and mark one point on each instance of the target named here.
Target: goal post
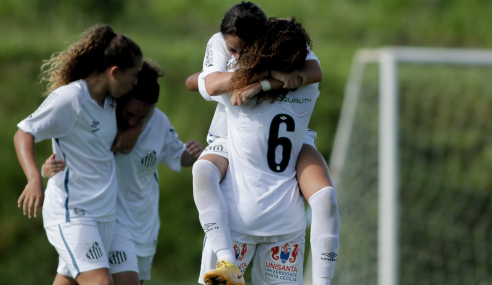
(385, 147)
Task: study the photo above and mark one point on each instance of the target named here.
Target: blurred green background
(174, 33)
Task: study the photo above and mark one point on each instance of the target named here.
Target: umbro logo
(94, 126)
(210, 226)
(331, 256)
(283, 118)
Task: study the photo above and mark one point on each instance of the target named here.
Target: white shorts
(218, 147)
(276, 259)
(123, 255)
(81, 246)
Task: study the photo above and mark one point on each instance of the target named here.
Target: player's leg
(123, 261)
(208, 171)
(81, 248)
(279, 260)
(64, 280)
(315, 183)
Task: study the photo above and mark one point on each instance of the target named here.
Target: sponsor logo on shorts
(149, 158)
(331, 256)
(209, 227)
(217, 147)
(94, 125)
(117, 257)
(240, 253)
(92, 250)
(286, 271)
(79, 212)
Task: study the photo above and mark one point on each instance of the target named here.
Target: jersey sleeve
(55, 116)
(216, 55)
(172, 147)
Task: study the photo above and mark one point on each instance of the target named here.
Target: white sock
(212, 209)
(322, 281)
(325, 226)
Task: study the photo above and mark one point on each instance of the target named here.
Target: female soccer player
(266, 214)
(79, 117)
(241, 24)
(137, 215)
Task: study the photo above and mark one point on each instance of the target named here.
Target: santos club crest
(149, 158)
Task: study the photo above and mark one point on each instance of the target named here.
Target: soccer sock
(325, 225)
(212, 209)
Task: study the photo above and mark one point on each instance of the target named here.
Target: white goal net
(411, 165)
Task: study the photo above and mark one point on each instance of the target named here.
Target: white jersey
(261, 190)
(138, 186)
(82, 133)
(217, 59)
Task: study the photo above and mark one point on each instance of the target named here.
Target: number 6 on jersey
(274, 141)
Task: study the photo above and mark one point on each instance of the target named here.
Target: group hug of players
(100, 208)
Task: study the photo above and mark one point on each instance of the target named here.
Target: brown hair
(283, 47)
(98, 48)
(244, 20)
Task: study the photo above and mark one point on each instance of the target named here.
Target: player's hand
(194, 148)
(291, 80)
(243, 95)
(32, 198)
(126, 140)
(52, 166)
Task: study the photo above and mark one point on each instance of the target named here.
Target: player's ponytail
(244, 20)
(98, 48)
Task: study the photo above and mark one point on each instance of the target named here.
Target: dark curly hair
(283, 47)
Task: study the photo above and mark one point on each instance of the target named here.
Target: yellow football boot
(225, 273)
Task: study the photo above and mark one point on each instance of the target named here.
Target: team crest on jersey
(209, 56)
(92, 250)
(117, 257)
(94, 125)
(149, 158)
(240, 253)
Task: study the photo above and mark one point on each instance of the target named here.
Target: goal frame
(388, 59)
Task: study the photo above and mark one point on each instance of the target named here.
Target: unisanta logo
(331, 256)
(240, 253)
(94, 126)
(284, 253)
(209, 227)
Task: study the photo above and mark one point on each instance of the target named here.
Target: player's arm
(243, 95)
(191, 153)
(310, 73)
(126, 139)
(192, 82)
(33, 195)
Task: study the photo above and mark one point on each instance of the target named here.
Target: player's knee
(204, 171)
